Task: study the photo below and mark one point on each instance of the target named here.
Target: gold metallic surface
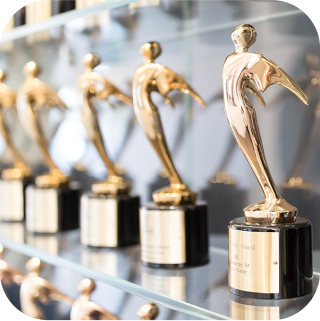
(149, 77)
(84, 309)
(8, 101)
(32, 95)
(34, 289)
(242, 70)
(148, 311)
(92, 87)
(9, 274)
(254, 261)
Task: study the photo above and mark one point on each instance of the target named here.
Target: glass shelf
(200, 292)
(61, 19)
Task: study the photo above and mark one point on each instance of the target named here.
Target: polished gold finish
(241, 70)
(9, 274)
(253, 261)
(149, 77)
(148, 311)
(8, 101)
(92, 87)
(32, 95)
(34, 289)
(84, 309)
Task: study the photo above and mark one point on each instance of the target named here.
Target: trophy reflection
(52, 204)
(84, 309)
(174, 229)
(13, 180)
(109, 215)
(270, 249)
(36, 291)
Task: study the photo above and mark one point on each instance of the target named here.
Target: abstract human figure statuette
(13, 180)
(148, 311)
(84, 309)
(166, 240)
(104, 211)
(52, 203)
(242, 69)
(156, 77)
(35, 289)
(270, 249)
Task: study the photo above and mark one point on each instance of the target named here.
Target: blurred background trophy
(13, 180)
(52, 204)
(174, 230)
(109, 215)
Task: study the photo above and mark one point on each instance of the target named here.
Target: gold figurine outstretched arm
(34, 94)
(84, 309)
(34, 289)
(92, 86)
(241, 70)
(8, 101)
(151, 77)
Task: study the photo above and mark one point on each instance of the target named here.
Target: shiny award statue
(53, 202)
(173, 231)
(14, 180)
(270, 249)
(84, 309)
(109, 215)
(148, 311)
(35, 290)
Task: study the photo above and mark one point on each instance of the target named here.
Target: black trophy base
(270, 261)
(223, 198)
(51, 210)
(174, 237)
(109, 221)
(13, 199)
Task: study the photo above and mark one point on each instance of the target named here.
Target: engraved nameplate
(99, 221)
(254, 261)
(162, 236)
(42, 210)
(11, 205)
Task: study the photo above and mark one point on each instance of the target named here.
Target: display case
(195, 39)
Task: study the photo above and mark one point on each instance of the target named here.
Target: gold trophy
(109, 215)
(148, 311)
(14, 180)
(173, 231)
(35, 290)
(84, 309)
(270, 249)
(52, 204)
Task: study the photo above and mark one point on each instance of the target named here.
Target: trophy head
(148, 311)
(244, 37)
(91, 61)
(150, 51)
(31, 69)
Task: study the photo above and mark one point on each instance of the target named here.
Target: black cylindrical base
(50, 210)
(109, 221)
(270, 261)
(174, 237)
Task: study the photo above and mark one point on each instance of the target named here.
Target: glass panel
(200, 292)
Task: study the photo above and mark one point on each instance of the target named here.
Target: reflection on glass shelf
(61, 19)
(200, 292)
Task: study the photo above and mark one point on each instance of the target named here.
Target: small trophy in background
(270, 249)
(174, 230)
(84, 309)
(36, 291)
(13, 180)
(109, 215)
(52, 204)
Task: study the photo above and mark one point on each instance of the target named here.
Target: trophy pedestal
(174, 237)
(226, 199)
(12, 199)
(109, 221)
(270, 261)
(52, 210)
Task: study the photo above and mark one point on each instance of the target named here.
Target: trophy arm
(90, 120)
